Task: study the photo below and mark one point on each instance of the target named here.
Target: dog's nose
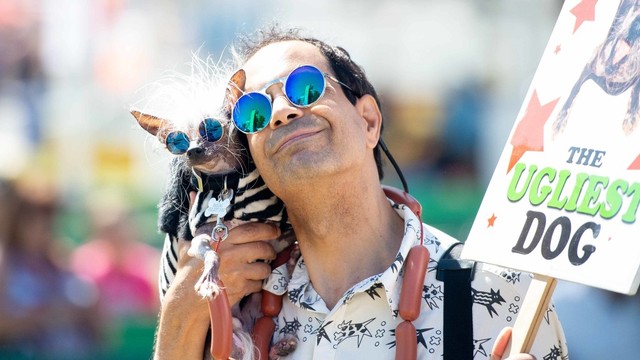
(195, 152)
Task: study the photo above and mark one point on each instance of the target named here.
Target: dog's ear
(152, 124)
(235, 88)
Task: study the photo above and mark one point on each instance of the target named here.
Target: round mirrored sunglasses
(304, 86)
(210, 130)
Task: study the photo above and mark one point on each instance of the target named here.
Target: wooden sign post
(534, 306)
(563, 200)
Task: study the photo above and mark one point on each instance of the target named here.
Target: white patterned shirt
(362, 324)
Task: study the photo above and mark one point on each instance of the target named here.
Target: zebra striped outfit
(252, 201)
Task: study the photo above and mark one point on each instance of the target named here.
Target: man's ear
(152, 124)
(235, 88)
(370, 112)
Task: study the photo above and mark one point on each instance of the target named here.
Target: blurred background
(79, 180)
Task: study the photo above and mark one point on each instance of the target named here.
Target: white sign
(563, 200)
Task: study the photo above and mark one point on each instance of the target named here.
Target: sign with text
(563, 200)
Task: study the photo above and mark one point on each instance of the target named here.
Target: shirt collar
(301, 292)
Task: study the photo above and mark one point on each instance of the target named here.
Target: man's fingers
(250, 252)
(500, 346)
(247, 279)
(254, 232)
(245, 233)
(257, 271)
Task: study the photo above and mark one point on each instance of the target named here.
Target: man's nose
(283, 111)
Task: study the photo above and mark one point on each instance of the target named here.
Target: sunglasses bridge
(209, 129)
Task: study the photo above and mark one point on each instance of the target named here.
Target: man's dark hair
(343, 67)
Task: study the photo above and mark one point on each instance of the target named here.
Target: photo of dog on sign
(614, 66)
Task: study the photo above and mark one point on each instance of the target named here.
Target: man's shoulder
(439, 242)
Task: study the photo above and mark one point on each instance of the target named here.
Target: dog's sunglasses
(177, 142)
(302, 87)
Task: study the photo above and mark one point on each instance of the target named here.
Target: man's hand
(240, 270)
(500, 346)
(184, 317)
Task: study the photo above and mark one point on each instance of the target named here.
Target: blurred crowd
(61, 303)
(46, 309)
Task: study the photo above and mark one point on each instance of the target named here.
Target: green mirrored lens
(304, 85)
(252, 112)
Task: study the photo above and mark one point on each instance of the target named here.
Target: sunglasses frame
(177, 132)
(283, 80)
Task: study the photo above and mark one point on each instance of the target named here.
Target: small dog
(615, 66)
(212, 160)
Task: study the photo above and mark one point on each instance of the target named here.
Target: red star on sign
(635, 165)
(491, 220)
(529, 134)
(557, 50)
(584, 11)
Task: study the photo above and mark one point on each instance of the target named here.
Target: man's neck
(345, 236)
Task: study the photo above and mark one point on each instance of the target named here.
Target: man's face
(312, 143)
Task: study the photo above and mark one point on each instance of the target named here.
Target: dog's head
(206, 139)
(620, 55)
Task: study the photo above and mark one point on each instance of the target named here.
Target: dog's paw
(283, 347)
(630, 122)
(560, 123)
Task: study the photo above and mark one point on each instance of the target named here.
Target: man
(322, 158)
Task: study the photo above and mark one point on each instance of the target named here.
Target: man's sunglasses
(303, 87)
(178, 142)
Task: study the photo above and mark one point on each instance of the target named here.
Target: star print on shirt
(555, 353)
(432, 266)
(546, 315)
(419, 337)
(479, 348)
(430, 239)
(294, 294)
(410, 226)
(372, 291)
(349, 330)
(432, 294)
(395, 313)
(397, 263)
(488, 299)
(321, 332)
(290, 327)
(307, 305)
(348, 295)
(511, 276)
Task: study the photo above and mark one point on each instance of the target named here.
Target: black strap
(458, 318)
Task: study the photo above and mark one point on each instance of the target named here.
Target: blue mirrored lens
(210, 130)
(177, 142)
(304, 85)
(252, 112)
